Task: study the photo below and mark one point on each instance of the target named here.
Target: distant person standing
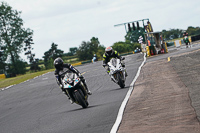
(186, 39)
(94, 59)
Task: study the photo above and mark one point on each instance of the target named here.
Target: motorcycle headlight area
(112, 71)
(76, 80)
(68, 81)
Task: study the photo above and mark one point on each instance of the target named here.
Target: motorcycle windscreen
(68, 80)
(113, 62)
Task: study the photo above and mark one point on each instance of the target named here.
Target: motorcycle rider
(59, 65)
(185, 34)
(108, 55)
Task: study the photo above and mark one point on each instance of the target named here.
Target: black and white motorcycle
(74, 88)
(117, 72)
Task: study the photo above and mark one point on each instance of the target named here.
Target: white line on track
(123, 105)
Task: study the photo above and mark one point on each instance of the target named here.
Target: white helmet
(109, 50)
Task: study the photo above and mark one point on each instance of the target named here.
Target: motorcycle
(74, 88)
(117, 72)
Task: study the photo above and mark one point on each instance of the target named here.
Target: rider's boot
(64, 91)
(126, 73)
(71, 101)
(88, 91)
(84, 82)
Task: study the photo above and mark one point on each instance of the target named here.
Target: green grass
(21, 78)
(72, 60)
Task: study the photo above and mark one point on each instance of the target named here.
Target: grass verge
(21, 78)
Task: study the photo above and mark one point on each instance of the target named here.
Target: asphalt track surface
(165, 98)
(39, 106)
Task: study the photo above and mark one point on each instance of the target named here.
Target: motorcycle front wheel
(78, 95)
(120, 81)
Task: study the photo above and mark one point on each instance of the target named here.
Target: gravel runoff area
(166, 97)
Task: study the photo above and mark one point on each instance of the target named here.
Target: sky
(70, 22)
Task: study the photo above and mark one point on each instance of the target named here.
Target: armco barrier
(195, 38)
(182, 42)
(170, 44)
(177, 43)
(126, 54)
(2, 76)
(86, 61)
(76, 64)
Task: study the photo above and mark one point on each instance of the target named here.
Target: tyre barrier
(195, 38)
(178, 43)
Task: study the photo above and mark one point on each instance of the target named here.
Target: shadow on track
(126, 87)
(93, 106)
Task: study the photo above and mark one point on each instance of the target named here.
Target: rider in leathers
(108, 55)
(59, 65)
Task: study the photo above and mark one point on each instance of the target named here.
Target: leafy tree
(178, 33)
(120, 47)
(94, 44)
(172, 34)
(52, 54)
(31, 56)
(73, 50)
(131, 41)
(132, 36)
(87, 49)
(84, 52)
(12, 35)
(49, 64)
(193, 31)
(123, 47)
(100, 52)
(3, 58)
(34, 65)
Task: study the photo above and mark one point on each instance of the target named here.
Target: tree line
(15, 39)
(178, 33)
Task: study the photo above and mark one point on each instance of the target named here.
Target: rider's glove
(80, 76)
(122, 58)
(104, 65)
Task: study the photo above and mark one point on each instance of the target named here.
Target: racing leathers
(107, 57)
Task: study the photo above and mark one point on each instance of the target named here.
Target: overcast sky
(69, 22)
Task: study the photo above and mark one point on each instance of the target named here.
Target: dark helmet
(109, 50)
(58, 63)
